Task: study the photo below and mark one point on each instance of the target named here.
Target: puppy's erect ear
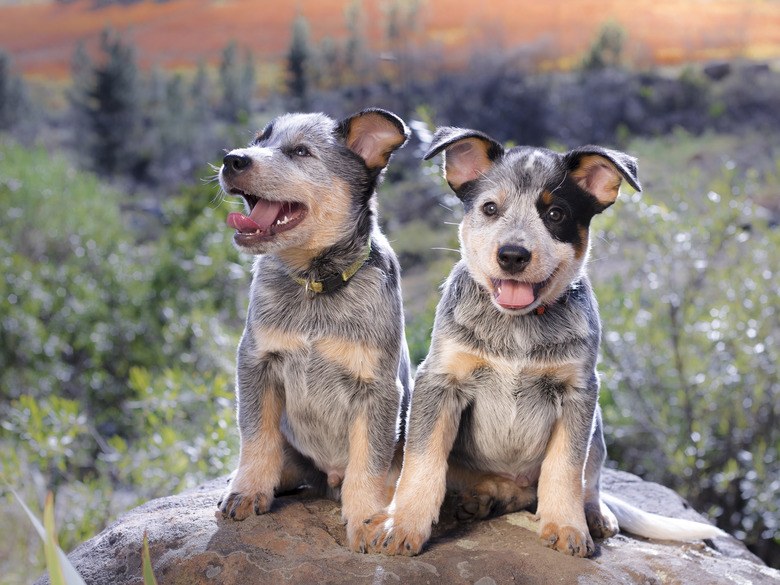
(467, 154)
(600, 171)
(374, 135)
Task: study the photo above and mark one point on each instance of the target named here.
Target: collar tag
(334, 282)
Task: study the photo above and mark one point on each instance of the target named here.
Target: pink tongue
(514, 295)
(261, 218)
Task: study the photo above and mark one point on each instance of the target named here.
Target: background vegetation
(122, 299)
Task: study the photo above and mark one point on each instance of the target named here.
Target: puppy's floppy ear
(374, 135)
(600, 171)
(467, 154)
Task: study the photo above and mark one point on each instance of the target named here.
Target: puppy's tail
(648, 525)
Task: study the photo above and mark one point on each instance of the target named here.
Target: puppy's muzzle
(235, 164)
(513, 259)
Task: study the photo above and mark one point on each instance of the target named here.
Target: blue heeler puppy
(323, 367)
(505, 408)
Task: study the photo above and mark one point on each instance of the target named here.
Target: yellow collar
(335, 281)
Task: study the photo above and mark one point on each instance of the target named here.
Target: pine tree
(200, 93)
(114, 110)
(14, 99)
(237, 81)
(248, 81)
(607, 49)
(297, 62)
(81, 74)
(353, 15)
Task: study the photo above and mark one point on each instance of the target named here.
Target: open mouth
(513, 294)
(266, 218)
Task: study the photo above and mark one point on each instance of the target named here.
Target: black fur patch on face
(468, 192)
(265, 134)
(566, 211)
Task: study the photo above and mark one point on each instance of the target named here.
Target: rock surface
(301, 541)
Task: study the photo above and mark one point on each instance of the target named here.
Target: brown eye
(555, 215)
(301, 150)
(490, 208)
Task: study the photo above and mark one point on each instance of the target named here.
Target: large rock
(301, 541)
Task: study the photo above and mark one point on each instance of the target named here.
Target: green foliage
(70, 292)
(53, 431)
(14, 99)
(691, 390)
(61, 571)
(237, 84)
(298, 61)
(183, 431)
(115, 353)
(114, 108)
(607, 49)
(82, 301)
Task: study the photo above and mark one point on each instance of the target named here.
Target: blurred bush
(120, 318)
(688, 285)
(116, 347)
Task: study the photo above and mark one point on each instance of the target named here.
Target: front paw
(239, 506)
(388, 534)
(601, 521)
(567, 539)
(356, 538)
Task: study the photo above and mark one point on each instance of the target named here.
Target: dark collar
(572, 292)
(334, 282)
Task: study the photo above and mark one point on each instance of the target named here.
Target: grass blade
(61, 571)
(50, 546)
(147, 564)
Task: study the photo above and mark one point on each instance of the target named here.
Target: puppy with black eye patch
(323, 367)
(505, 407)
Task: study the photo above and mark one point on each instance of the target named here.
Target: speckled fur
(509, 395)
(321, 378)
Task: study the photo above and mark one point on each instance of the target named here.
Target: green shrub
(82, 300)
(116, 346)
(691, 390)
(184, 432)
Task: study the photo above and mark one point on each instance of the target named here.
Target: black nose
(236, 163)
(513, 258)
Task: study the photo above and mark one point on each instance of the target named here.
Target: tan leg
(259, 471)
(363, 491)
(406, 524)
(561, 497)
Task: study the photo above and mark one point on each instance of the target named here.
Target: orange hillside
(42, 35)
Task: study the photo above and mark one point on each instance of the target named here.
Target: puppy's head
(524, 236)
(307, 181)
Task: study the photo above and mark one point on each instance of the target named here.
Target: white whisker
(566, 174)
